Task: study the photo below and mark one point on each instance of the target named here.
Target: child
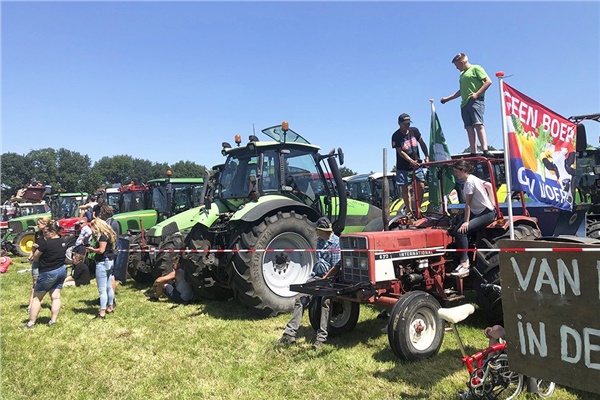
(80, 274)
(5, 261)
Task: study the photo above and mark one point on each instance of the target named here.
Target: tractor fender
(272, 206)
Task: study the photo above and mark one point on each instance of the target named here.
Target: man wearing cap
(473, 82)
(326, 266)
(406, 141)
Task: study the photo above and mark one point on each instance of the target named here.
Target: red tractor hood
(406, 239)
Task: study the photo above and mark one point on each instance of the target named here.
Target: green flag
(438, 151)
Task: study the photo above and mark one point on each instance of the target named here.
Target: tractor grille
(355, 263)
(167, 231)
(170, 229)
(133, 225)
(16, 227)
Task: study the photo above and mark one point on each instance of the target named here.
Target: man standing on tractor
(473, 83)
(327, 265)
(406, 141)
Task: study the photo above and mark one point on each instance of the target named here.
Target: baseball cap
(323, 224)
(404, 118)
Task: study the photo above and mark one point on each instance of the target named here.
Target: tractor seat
(456, 314)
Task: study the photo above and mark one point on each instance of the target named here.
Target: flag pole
(432, 157)
(511, 228)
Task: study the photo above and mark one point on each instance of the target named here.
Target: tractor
(151, 212)
(61, 207)
(588, 187)
(264, 199)
(406, 270)
(369, 188)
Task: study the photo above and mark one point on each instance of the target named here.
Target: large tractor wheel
(488, 265)
(593, 230)
(24, 242)
(343, 315)
(261, 278)
(415, 330)
(138, 265)
(164, 260)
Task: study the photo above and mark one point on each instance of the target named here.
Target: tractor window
(270, 172)
(159, 199)
(182, 198)
(302, 174)
(132, 201)
(235, 180)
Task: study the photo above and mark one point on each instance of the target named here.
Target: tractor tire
(164, 260)
(488, 265)
(415, 330)
(343, 315)
(138, 266)
(24, 242)
(593, 230)
(261, 278)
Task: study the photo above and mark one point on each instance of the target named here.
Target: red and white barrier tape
(424, 251)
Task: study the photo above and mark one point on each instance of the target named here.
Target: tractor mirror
(581, 143)
(341, 156)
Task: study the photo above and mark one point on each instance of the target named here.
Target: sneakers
(462, 270)
(317, 345)
(51, 323)
(286, 340)
(28, 325)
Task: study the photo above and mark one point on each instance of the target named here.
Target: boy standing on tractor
(406, 140)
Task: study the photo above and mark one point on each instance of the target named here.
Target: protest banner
(551, 305)
(541, 146)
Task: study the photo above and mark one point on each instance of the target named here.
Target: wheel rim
(284, 268)
(421, 331)
(340, 313)
(26, 243)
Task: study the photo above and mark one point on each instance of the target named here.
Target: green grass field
(208, 350)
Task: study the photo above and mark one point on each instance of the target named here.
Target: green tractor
(18, 237)
(150, 215)
(61, 207)
(588, 187)
(255, 233)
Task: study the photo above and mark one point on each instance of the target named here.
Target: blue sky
(168, 81)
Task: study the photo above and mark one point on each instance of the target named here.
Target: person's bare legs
(481, 135)
(472, 141)
(31, 296)
(420, 191)
(406, 198)
(55, 305)
(36, 305)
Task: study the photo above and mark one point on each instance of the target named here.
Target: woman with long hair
(38, 237)
(52, 273)
(479, 210)
(105, 254)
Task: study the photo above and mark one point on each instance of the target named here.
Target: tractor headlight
(364, 263)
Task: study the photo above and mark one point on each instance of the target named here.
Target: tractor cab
(65, 209)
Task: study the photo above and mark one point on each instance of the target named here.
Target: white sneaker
(461, 270)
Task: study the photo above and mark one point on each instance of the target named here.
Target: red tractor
(407, 270)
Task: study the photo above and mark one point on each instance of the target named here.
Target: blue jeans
(50, 280)
(476, 222)
(104, 270)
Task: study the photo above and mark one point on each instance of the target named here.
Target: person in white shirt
(480, 211)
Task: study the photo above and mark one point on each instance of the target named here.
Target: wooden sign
(551, 304)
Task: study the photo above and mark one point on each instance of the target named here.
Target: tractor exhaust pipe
(340, 223)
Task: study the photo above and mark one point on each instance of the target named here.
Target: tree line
(70, 171)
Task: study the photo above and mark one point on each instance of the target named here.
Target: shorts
(472, 112)
(35, 269)
(405, 177)
(50, 280)
(173, 294)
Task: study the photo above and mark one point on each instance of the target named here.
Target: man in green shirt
(473, 84)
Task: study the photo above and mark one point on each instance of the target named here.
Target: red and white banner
(541, 145)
